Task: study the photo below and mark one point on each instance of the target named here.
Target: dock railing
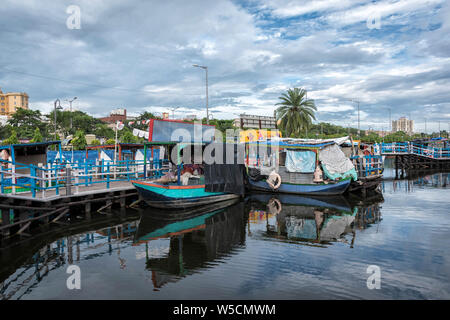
(398, 148)
(368, 166)
(21, 178)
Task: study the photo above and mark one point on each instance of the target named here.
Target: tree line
(32, 125)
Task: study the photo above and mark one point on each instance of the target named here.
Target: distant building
(403, 124)
(380, 133)
(190, 117)
(115, 115)
(257, 122)
(89, 138)
(165, 115)
(11, 101)
(3, 120)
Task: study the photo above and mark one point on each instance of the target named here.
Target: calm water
(263, 248)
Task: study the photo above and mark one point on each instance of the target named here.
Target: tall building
(11, 101)
(403, 124)
(257, 122)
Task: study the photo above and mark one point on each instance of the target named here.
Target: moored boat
(178, 196)
(296, 166)
(179, 182)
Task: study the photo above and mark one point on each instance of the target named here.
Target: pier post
(5, 221)
(77, 181)
(13, 178)
(107, 176)
(68, 180)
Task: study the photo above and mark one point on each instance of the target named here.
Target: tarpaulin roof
(286, 144)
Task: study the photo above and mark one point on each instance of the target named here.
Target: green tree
(95, 142)
(37, 136)
(79, 140)
(126, 136)
(110, 141)
(80, 121)
(295, 113)
(28, 120)
(103, 131)
(12, 138)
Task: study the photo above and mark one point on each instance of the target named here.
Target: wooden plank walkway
(80, 191)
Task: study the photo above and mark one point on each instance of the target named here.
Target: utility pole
(57, 101)
(359, 127)
(173, 112)
(390, 120)
(206, 69)
(439, 126)
(70, 101)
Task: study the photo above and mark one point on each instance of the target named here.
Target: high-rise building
(403, 124)
(11, 101)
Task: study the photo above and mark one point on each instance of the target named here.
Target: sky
(393, 56)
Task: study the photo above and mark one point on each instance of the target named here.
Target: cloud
(139, 55)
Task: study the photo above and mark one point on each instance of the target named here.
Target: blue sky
(138, 55)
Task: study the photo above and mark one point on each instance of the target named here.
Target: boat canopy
(293, 143)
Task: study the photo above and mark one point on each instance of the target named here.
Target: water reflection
(417, 180)
(265, 247)
(198, 237)
(313, 221)
(25, 263)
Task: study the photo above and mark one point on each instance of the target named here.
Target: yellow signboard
(258, 135)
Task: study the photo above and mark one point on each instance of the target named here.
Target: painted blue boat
(176, 196)
(337, 202)
(321, 189)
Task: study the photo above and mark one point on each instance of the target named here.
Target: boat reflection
(312, 221)
(191, 240)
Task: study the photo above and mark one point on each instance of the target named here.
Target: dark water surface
(266, 247)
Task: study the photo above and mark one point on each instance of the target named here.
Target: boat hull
(178, 197)
(306, 189)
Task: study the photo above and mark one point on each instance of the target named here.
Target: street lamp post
(57, 101)
(70, 101)
(206, 69)
(173, 111)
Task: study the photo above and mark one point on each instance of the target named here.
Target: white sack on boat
(335, 160)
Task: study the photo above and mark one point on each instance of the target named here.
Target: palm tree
(296, 112)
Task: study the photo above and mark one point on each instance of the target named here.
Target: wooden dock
(36, 195)
(21, 212)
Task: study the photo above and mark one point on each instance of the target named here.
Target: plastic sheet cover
(226, 177)
(300, 161)
(336, 164)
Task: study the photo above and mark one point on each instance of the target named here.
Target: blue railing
(26, 178)
(414, 148)
(368, 166)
